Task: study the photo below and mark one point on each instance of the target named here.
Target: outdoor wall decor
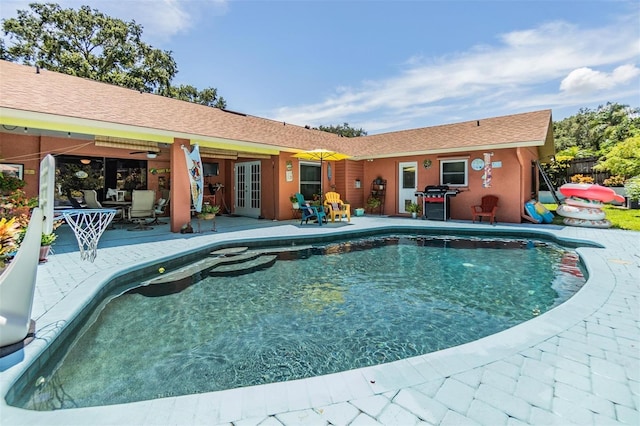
(13, 170)
(486, 177)
(426, 163)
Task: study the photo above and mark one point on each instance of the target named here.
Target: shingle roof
(527, 129)
(23, 89)
(64, 95)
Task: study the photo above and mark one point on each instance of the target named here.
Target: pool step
(199, 267)
(231, 261)
(229, 251)
(232, 269)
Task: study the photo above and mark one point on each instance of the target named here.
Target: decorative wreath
(426, 163)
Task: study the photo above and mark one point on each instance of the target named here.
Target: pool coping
(271, 399)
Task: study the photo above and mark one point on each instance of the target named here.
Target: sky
(392, 65)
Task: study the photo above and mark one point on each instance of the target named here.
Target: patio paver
(576, 364)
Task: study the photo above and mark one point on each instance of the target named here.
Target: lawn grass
(620, 217)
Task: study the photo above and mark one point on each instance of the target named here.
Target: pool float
(590, 192)
(538, 211)
(580, 212)
(583, 202)
(531, 211)
(604, 223)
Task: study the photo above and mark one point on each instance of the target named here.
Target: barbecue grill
(436, 201)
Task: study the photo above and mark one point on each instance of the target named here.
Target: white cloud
(522, 64)
(587, 80)
(160, 19)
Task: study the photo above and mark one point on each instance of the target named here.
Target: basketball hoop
(88, 225)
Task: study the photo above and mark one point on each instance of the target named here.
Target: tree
(344, 130)
(87, 43)
(623, 159)
(596, 132)
(189, 93)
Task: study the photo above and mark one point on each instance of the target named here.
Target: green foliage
(632, 188)
(596, 131)
(556, 170)
(374, 202)
(188, 93)
(623, 159)
(87, 43)
(17, 205)
(48, 239)
(413, 208)
(210, 209)
(9, 184)
(344, 130)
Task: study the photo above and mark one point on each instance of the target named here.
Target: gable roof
(55, 101)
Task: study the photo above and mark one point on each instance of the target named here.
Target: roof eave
(90, 128)
(451, 150)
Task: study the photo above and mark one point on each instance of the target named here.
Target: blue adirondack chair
(308, 211)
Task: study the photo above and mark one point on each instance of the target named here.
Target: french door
(248, 189)
(408, 184)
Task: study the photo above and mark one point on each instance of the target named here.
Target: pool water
(361, 303)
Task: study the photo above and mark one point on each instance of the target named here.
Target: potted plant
(632, 188)
(294, 202)
(45, 245)
(414, 209)
(209, 211)
(374, 203)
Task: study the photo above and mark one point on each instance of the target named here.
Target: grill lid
(436, 188)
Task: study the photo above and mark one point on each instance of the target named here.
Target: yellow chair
(337, 207)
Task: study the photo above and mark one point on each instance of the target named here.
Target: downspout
(523, 190)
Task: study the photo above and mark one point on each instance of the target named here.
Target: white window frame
(455, 160)
(311, 182)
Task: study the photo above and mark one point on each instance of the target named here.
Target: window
(453, 172)
(309, 180)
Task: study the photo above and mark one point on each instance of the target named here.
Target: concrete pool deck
(576, 364)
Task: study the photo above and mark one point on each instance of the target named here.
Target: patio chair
(308, 211)
(91, 200)
(160, 209)
(74, 202)
(142, 208)
(487, 208)
(337, 207)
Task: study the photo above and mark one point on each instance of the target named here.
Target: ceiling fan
(150, 154)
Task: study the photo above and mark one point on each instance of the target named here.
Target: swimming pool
(316, 299)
